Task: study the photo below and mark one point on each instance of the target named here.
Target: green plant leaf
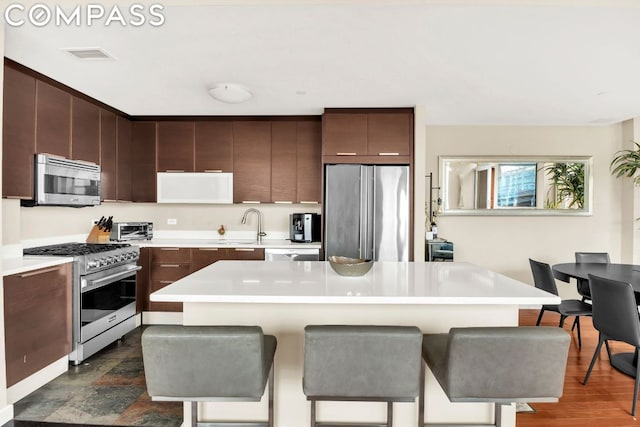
(626, 163)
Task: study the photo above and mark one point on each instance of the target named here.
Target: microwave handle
(112, 277)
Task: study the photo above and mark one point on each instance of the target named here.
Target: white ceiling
(468, 62)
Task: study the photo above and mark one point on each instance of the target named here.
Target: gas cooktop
(73, 249)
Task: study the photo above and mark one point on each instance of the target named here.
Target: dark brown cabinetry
(37, 320)
(309, 162)
(143, 150)
(53, 120)
(108, 154)
(252, 161)
(273, 159)
(203, 257)
(170, 264)
(124, 164)
(167, 266)
(345, 134)
(245, 254)
(368, 136)
(296, 161)
(283, 161)
(214, 146)
(175, 146)
(85, 131)
(18, 134)
(389, 134)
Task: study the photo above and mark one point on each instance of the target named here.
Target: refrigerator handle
(366, 212)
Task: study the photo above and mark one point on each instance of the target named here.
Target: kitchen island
(284, 297)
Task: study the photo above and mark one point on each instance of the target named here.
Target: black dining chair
(592, 258)
(543, 279)
(615, 317)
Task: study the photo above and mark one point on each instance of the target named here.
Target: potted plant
(568, 185)
(626, 163)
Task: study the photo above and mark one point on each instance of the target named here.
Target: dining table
(628, 273)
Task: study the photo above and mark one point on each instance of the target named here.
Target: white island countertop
(315, 282)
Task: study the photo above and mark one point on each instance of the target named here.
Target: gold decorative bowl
(345, 266)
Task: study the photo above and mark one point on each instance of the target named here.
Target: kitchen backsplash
(21, 223)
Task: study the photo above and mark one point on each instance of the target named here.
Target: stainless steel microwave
(63, 182)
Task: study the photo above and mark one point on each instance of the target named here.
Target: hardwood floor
(604, 402)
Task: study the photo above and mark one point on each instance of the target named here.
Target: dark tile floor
(107, 389)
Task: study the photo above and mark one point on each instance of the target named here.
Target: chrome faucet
(261, 233)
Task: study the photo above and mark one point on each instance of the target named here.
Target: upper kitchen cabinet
(143, 153)
(345, 134)
(309, 162)
(53, 120)
(252, 161)
(108, 154)
(214, 146)
(175, 146)
(18, 134)
(390, 134)
(124, 189)
(85, 131)
(382, 135)
(283, 161)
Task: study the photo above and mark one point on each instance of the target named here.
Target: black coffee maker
(304, 227)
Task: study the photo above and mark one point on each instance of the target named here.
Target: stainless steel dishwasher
(297, 254)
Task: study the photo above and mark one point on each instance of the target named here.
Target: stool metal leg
(498, 409)
(194, 414)
(313, 414)
(421, 396)
(389, 414)
(270, 419)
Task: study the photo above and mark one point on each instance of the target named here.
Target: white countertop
(226, 243)
(19, 265)
(315, 282)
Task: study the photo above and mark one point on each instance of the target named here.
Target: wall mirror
(495, 185)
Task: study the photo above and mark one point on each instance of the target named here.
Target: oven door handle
(112, 277)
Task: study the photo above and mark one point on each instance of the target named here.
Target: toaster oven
(124, 231)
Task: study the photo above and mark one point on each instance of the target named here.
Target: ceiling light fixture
(230, 93)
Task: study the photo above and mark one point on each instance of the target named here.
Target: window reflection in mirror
(515, 186)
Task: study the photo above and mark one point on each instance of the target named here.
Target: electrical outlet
(172, 221)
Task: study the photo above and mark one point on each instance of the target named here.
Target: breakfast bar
(284, 297)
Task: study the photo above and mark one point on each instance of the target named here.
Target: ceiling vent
(91, 53)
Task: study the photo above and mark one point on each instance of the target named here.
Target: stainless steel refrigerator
(366, 212)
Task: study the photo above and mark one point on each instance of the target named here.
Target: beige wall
(504, 244)
(630, 209)
(43, 221)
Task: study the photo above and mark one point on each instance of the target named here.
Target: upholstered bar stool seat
(208, 364)
(361, 363)
(497, 364)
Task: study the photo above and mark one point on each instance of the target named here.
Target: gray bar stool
(208, 364)
(361, 363)
(497, 364)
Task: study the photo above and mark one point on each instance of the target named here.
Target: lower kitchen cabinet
(245, 254)
(37, 320)
(203, 257)
(166, 265)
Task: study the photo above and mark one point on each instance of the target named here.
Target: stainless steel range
(104, 292)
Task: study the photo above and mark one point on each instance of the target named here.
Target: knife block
(96, 235)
